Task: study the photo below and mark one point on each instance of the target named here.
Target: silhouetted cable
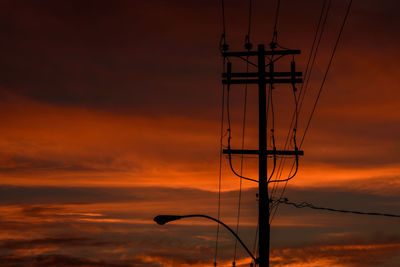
(323, 81)
(304, 86)
(250, 15)
(230, 137)
(327, 70)
(229, 143)
(311, 206)
(241, 159)
(318, 34)
(248, 45)
(220, 167)
(256, 240)
(223, 45)
(274, 40)
(270, 99)
(307, 74)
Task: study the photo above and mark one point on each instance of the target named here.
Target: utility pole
(262, 78)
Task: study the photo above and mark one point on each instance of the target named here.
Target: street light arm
(163, 219)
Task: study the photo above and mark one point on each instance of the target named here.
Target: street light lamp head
(163, 219)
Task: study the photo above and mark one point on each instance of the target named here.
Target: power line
(230, 137)
(220, 169)
(327, 70)
(248, 46)
(274, 40)
(311, 206)
(222, 44)
(303, 90)
(304, 86)
(223, 47)
(323, 19)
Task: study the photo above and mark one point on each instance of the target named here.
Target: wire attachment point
(247, 43)
(222, 44)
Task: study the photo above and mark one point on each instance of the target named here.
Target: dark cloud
(59, 242)
(149, 57)
(60, 261)
(298, 231)
(58, 163)
(346, 255)
(110, 57)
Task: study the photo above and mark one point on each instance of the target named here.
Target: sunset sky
(110, 115)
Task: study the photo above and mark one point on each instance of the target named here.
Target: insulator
(248, 46)
(225, 47)
(272, 45)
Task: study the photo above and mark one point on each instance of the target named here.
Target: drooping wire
(248, 46)
(291, 174)
(241, 166)
(270, 99)
(223, 47)
(304, 88)
(230, 137)
(318, 34)
(304, 85)
(220, 168)
(327, 71)
(311, 206)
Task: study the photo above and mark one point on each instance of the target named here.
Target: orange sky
(110, 115)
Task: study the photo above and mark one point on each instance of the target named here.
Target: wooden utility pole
(262, 78)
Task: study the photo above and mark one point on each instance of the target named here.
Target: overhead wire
(308, 72)
(270, 100)
(223, 47)
(273, 45)
(256, 241)
(311, 206)
(304, 85)
(326, 71)
(248, 46)
(220, 170)
(274, 40)
(230, 137)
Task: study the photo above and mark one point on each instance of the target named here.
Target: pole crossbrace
(257, 81)
(268, 152)
(263, 53)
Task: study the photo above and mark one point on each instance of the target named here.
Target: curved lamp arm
(163, 219)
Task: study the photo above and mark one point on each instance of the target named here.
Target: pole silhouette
(262, 78)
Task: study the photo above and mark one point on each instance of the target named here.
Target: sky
(110, 115)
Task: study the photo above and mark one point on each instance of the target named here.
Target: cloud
(336, 255)
(118, 223)
(59, 261)
(58, 242)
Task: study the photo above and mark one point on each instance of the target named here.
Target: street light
(163, 219)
